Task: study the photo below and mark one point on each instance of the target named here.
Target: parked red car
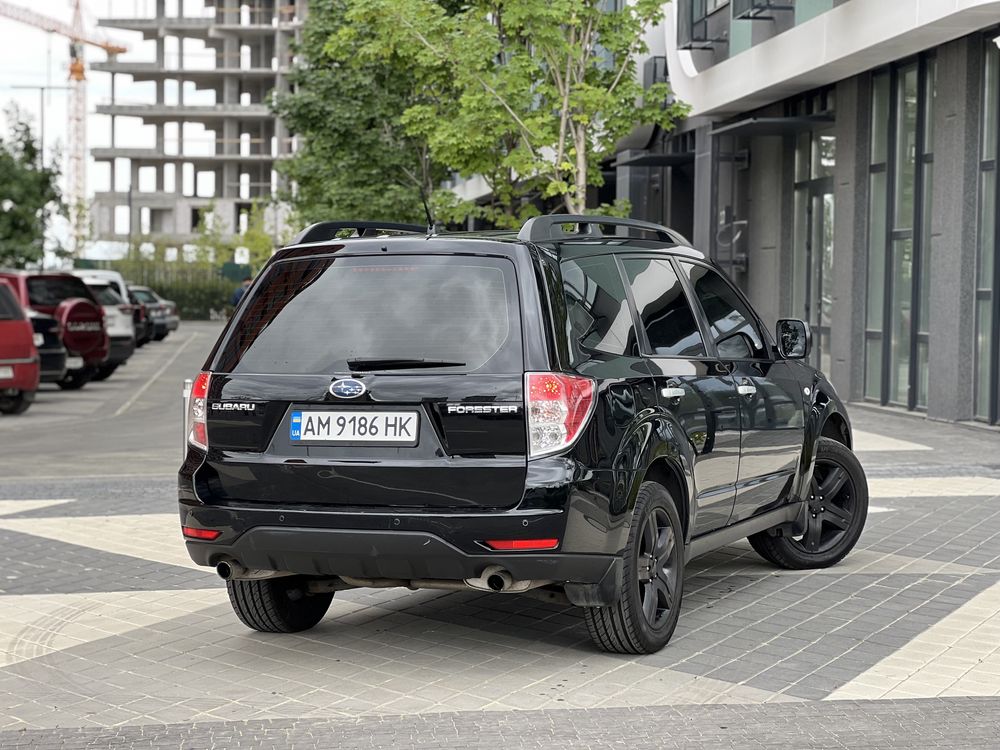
(19, 369)
(80, 317)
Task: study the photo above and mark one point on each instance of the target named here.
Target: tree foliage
(356, 158)
(30, 195)
(529, 95)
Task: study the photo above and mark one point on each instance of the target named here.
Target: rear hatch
(80, 318)
(372, 381)
(117, 312)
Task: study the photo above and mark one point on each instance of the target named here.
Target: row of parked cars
(72, 328)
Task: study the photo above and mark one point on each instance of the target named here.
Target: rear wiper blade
(398, 363)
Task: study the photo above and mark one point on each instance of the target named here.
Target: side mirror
(794, 338)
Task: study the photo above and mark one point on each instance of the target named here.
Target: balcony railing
(759, 9)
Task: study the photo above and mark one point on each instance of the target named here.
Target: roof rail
(328, 230)
(550, 228)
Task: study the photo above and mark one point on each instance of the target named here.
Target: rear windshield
(9, 308)
(143, 295)
(49, 291)
(312, 316)
(105, 294)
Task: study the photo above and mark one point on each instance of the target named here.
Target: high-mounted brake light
(197, 411)
(207, 535)
(558, 406)
(520, 545)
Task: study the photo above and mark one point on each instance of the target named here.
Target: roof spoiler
(324, 231)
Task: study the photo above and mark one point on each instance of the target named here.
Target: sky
(32, 57)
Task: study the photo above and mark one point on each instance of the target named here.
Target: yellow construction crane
(76, 193)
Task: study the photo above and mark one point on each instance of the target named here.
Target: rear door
(372, 381)
(770, 395)
(690, 384)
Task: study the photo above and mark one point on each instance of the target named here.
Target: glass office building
(840, 160)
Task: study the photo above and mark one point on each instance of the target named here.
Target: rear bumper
(53, 364)
(121, 349)
(405, 555)
(25, 375)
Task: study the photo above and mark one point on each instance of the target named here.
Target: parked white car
(119, 323)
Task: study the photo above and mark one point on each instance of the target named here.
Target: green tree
(356, 159)
(530, 95)
(211, 247)
(30, 195)
(257, 241)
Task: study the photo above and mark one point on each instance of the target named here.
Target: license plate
(396, 427)
(6, 373)
(74, 363)
(39, 339)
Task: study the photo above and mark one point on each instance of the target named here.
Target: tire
(104, 372)
(277, 605)
(835, 514)
(626, 627)
(18, 404)
(159, 337)
(76, 379)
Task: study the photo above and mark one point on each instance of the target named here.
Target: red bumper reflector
(506, 545)
(207, 535)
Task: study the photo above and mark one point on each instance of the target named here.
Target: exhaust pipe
(231, 570)
(499, 580)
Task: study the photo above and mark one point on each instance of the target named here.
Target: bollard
(185, 398)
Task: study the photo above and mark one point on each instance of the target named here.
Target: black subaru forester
(571, 412)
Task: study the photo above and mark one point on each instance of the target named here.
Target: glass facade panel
(800, 259)
(877, 221)
(902, 309)
(880, 118)
(824, 156)
(923, 326)
(906, 147)
(873, 368)
(899, 270)
(987, 370)
(922, 377)
(987, 228)
(984, 356)
(991, 93)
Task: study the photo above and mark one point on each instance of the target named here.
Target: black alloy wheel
(644, 617)
(657, 568)
(834, 514)
(831, 506)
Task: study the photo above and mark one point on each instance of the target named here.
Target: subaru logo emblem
(347, 388)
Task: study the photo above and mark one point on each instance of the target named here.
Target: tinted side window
(9, 308)
(670, 324)
(51, 290)
(729, 319)
(598, 315)
(105, 294)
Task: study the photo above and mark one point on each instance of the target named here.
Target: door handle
(746, 389)
(672, 392)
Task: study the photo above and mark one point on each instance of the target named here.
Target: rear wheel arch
(835, 427)
(666, 474)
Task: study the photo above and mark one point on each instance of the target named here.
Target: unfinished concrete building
(216, 140)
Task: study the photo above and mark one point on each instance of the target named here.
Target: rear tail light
(558, 407)
(198, 411)
(207, 535)
(521, 545)
(125, 309)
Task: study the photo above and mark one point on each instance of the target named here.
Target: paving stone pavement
(967, 723)
(109, 636)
